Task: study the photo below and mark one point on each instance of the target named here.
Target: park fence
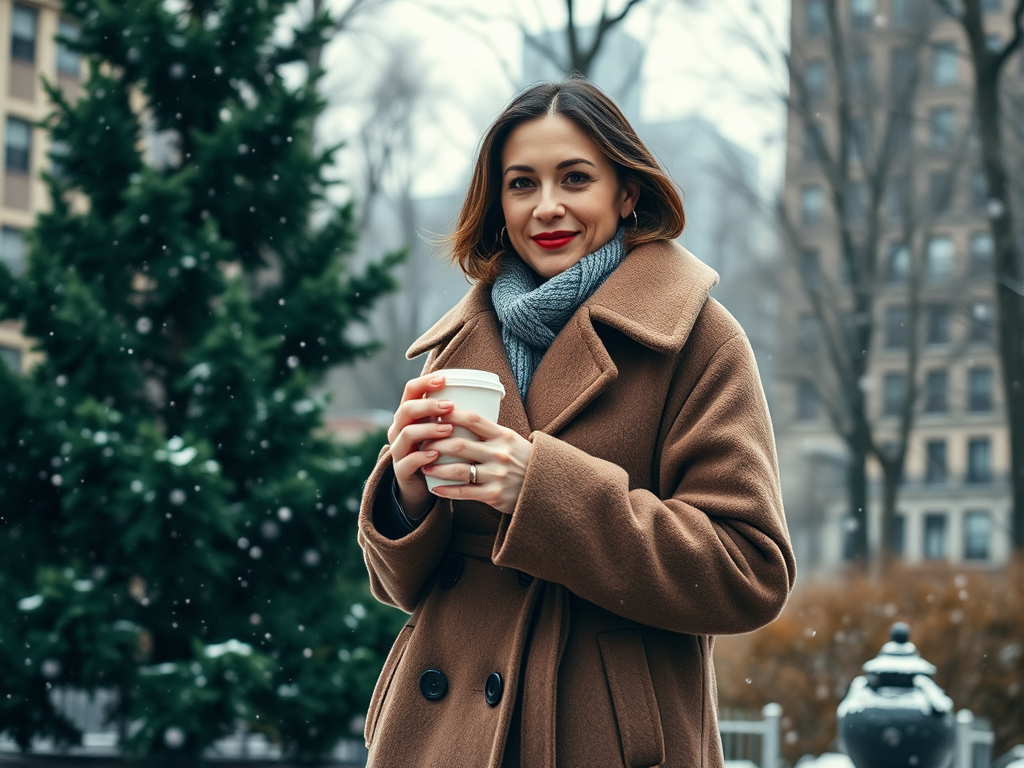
(745, 742)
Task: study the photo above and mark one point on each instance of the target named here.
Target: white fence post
(770, 740)
(963, 755)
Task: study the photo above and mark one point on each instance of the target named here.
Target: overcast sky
(695, 64)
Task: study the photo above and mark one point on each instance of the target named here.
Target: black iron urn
(895, 715)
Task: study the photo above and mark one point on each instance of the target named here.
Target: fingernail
(437, 380)
(431, 454)
(445, 405)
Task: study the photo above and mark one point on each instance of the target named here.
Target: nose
(548, 207)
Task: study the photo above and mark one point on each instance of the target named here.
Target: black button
(524, 578)
(451, 571)
(433, 684)
(493, 689)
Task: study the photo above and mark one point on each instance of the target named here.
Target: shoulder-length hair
(476, 244)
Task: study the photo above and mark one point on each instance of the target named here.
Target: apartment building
(28, 52)
(908, 81)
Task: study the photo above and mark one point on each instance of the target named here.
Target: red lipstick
(552, 241)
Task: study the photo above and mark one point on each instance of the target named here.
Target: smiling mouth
(552, 241)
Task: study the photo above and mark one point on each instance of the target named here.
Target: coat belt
(547, 606)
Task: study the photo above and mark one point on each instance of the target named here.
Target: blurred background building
(28, 52)
(933, 293)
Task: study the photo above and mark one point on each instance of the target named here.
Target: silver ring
(472, 473)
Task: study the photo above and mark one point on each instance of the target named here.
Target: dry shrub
(968, 623)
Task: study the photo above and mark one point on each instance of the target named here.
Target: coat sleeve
(399, 567)
(708, 554)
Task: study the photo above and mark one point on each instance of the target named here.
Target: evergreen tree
(176, 525)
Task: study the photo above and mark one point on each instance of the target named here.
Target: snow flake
(228, 646)
(270, 530)
(174, 737)
(136, 486)
(177, 497)
(311, 558)
(50, 668)
(82, 585)
(255, 553)
(143, 325)
(284, 514)
(100, 437)
(293, 361)
(30, 603)
(188, 262)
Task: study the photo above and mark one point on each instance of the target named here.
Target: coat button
(524, 578)
(433, 684)
(493, 689)
(451, 571)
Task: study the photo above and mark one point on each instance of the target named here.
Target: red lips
(552, 241)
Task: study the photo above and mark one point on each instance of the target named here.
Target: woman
(624, 509)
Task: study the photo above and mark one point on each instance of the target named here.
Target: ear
(630, 197)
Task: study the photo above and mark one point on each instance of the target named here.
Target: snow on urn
(895, 715)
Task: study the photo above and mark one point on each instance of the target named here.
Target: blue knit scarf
(531, 315)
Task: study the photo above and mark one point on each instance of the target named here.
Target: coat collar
(653, 297)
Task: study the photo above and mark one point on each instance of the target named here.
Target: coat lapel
(653, 297)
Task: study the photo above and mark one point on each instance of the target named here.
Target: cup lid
(471, 377)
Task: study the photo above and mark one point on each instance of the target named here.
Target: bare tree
(856, 133)
(989, 64)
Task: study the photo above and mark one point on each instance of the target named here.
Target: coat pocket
(636, 709)
(387, 674)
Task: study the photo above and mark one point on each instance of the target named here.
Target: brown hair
(476, 244)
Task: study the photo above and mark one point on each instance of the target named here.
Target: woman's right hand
(415, 422)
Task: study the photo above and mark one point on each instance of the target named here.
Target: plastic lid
(471, 377)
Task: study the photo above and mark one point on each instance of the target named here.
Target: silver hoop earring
(501, 237)
(636, 220)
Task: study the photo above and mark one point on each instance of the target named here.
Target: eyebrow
(563, 164)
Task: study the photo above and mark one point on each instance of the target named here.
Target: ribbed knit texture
(531, 315)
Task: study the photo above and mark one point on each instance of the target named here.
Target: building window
(939, 325)
(979, 390)
(979, 190)
(941, 128)
(894, 393)
(815, 79)
(24, 22)
(901, 129)
(944, 64)
(940, 191)
(812, 204)
(936, 391)
(816, 21)
(860, 73)
(810, 268)
(12, 250)
(857, 202)
(806, 401)
(981, 324)
(67, 59)
(979, 460)
(977, 535)
(939, 258)
(862, 13)
(814, 141)
(991, 6)
(982, 253)
(17, 145)
(858, 140)
(902, 13)
(808, 333)
(11, 357)
(901, 72)
(899, 535)
(896, 199)
(934, 536)
(935, 462)
(897, 263)
(896, 327)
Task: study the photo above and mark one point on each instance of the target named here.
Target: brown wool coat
(650, 520)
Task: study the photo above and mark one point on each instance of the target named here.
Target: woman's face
(560, 194)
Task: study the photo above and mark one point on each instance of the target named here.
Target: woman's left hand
(500, 457)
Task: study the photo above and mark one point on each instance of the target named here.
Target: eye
(520, 182)
(577, 177)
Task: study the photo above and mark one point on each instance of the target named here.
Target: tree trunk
(1009, 275)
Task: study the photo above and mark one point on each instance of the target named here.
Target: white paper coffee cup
(470, 390)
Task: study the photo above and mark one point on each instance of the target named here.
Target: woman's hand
(500, 457)
(417, 420)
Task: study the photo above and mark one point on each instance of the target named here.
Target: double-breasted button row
(434, 685)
